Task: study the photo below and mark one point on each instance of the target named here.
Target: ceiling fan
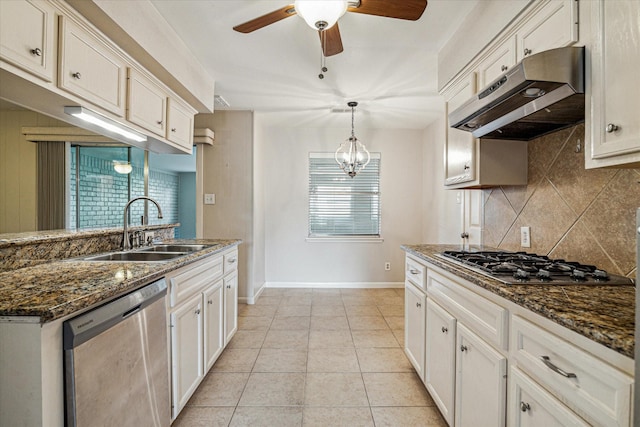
(323, 15)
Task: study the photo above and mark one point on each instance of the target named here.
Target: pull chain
(323, 44)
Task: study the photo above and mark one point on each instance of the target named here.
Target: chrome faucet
(126, 245)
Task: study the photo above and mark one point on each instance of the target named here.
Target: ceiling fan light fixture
(320, 14)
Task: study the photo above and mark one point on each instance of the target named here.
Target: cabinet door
(179, 125)
(440, 361)
(213, 323)
(460, 145)
(480, 382)
(230, 306)
(554, 25)
(27, 36)
(186, 351)
(615, 95)
(531, 406)
(498, 61)
(90, 69)
(414, 327)
(146, 103)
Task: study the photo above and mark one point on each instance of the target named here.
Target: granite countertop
(604, 314)
(57, 289)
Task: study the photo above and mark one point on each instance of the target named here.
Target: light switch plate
(209, 199)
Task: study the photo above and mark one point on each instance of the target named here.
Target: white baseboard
(351, 285)
(254, 298)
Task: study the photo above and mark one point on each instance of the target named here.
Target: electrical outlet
(209, 199)
(387, 266)
(525, 237)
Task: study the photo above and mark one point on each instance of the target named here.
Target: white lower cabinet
(230, 306)
(481, 379)
(440, 360)
(414, 327)
(532, 406)
(214, 341)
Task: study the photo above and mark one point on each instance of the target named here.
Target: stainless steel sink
(136, 256)
(174, 248)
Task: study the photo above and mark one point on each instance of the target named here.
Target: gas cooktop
(523, 268)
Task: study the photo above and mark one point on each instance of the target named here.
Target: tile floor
(315, 357)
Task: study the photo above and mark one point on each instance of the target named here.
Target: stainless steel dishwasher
(116, 362)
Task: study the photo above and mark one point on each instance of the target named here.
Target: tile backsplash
(574, 213)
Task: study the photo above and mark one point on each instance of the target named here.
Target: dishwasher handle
(90, 324)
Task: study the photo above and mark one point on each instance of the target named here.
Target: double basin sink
(155, 253)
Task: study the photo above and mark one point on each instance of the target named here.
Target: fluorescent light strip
(104, 123)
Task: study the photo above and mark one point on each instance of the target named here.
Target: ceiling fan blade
(331, 41)
(264, 20)
(406, 9)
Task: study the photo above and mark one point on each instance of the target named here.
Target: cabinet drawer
(146, 103)
(484, 317)
(416, 272)
(231, 261)
(90, 69)
(188, 280)
(598, 392)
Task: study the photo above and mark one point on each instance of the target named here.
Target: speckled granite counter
(57, 289)
(604, 314)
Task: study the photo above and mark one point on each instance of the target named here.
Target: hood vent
(541, 94)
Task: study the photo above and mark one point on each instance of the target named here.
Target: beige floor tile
(367, 323)
(418, 417)
(332, 360)
(358, 300)
(332, 389)
(261, 323)
(266, 299)
(291, 323)
(399, 292)
(294, 310)
(391, 310)
(274, 389)
(296, 300)
(383, 360)
(281, 360)
(272, 292)
(327, 310)
(326, 291)
(389, 300)
(395, 322)
(267, 417)
(236, 360)
(375, 338)
(327, 300)
(330, 339)
(329, 323)
(296, 292)
(396, 389)
(247, 339)
(337, 417)
(399, 334)
(257, 310)
(382, 293)
(220, 389)
(199, 416)
(362, 310)
(287, 339)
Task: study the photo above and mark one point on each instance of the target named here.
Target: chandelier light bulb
(320, 14)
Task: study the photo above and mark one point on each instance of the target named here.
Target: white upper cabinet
(146, 103)
(91, 69)
(613, 115)
(460, 145)
(497, 62)
(553, 25)
(180, 124)
(27, 36)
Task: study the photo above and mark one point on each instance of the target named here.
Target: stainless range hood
(541, 94)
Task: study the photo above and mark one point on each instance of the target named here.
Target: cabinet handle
(504, 68)
(527, 52)
(159, 122)
(232, 261)
(463, 348)
(547, 361)
(418, 305)
(209, 302)
(412, 271)
(524, 407)
(76, 75)
(445, 330)
(464, 235)
(36, 52)
(467, 167)
(612, 128)
(173, 130)
(198, 311)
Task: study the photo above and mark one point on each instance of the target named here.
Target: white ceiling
(388, 65)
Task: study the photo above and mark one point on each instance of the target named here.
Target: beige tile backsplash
(575, 214)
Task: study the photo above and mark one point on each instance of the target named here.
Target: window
(340, 206)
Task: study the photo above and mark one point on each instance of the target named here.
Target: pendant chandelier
(352, 156)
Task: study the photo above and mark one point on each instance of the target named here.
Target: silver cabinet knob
(504, 68)
(76, 75)
(612, 128)
(524, 407)
(418, 305)
(36, 52)
(463, 348)
(159, 122)
(445, 330)
(173, 130)
(198, 311)
(464, 235)
(209, 302)
(527, 51)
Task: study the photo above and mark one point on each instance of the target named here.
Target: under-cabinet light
(104, 123)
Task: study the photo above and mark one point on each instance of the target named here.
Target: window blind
(340, 205)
